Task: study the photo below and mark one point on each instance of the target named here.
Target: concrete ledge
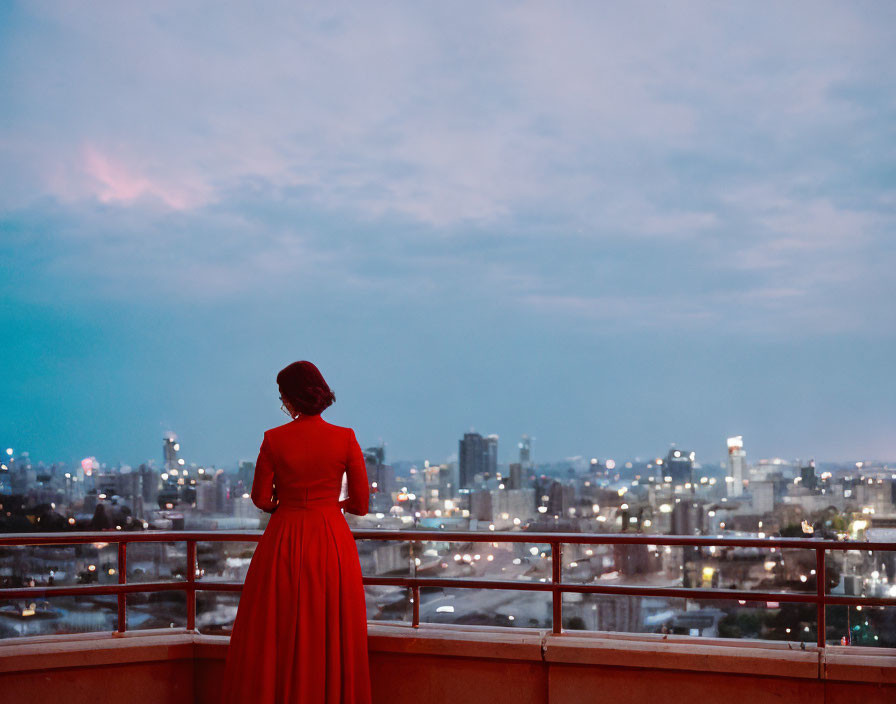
(93, 635)
(139, 669)
(97, 652)
(432, 640)
(690, 640)
(428, 643)
(427, 640)
(856, 664)
(589, 650)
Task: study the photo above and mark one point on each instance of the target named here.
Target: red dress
(300, 633)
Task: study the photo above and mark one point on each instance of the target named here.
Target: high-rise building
(491, 456)
(476, 455)
(679, 465)
(516, 476)
(246, 473)
(223, 498)
(737, 465)
(525, 446)
(447, 480)
(471, 458)
(807, 475)
(170, 449)
(377, 454)
(378, 472)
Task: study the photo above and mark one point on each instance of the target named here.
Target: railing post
(122, 578)
(820, 584)
(415, 606)
(557, 595)
(191, 585)
(415, 589)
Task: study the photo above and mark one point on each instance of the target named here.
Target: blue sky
(612, 227)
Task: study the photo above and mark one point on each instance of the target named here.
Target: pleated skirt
(300, 633)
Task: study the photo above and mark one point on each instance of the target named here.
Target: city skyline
(668, 496)
(736, 459)
(613, 228)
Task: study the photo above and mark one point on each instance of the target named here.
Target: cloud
(113, 182)
(647, 164)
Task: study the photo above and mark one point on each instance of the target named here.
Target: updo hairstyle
(302, 384)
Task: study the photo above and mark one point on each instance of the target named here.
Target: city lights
(682, 498)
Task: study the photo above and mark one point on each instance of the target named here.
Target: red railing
(556, 586)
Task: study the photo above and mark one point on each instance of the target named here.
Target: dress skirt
(300, 633)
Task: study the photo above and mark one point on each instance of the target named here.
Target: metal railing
(557, 587)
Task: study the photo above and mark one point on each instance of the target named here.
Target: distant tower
(170, 450)
(516, 476)
(737, 461)
(807, 476)
(491, 455)
(470, 458)
(377, 454)
(679, 465)
(525, 451)
(246, 473)
(377, 472)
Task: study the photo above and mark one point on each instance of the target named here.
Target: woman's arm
(358, 501)
(263, 490)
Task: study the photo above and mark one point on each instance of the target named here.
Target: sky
(612, 226)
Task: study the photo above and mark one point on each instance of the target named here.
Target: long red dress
(300, 633)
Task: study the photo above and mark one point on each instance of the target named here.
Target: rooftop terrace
(419, 661)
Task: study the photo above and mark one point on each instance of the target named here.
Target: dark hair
(302, 384)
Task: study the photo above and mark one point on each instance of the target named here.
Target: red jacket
(303, 461)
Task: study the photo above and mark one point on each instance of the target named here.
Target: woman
(300, 633)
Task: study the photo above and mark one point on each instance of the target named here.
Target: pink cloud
(114, 182)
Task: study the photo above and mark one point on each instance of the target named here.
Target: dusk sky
(612, 226)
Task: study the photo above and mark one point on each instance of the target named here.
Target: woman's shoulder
(344, 429)
(279, 429)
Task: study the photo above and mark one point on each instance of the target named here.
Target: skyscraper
(679, 465)
(737, 461)
(525, 451)
(246, 473)
(469, 458)
(491, 455)
(170, 450)
(476, 455)
(807, 475)
(516, 476)
(377, 471)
